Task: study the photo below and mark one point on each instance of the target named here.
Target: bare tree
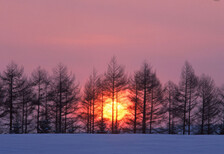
(171, 92)
(101, 99)
(27, 106)
(72, 98)
(11, 78)
(3, 111)
(91, 97)
(44, 126)
(135, 96)
(156, 102)
(39, 77)
(65, 95)
(2, 93)
(209, 104)
(221, 125)
(86, 113)
(187, 88)
(94, 79)
(145, 74)
(115, 82)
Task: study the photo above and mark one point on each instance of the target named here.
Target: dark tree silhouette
(115, 82)
(86, 113)
(39, 77)
(2, 93)
(65, 95)
(101, 99)
(171, 92)
(208, 109)
(145, 75)
(27, 105)
(90, 98)
(221, 111)
(135, 96)
(187, 88)
(12, 79)
(156, 101)
(45, 114)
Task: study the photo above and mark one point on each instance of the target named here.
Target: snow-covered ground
(110, 144)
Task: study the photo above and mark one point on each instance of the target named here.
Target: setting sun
(108, 111)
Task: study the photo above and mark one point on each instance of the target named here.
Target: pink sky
(84, 34)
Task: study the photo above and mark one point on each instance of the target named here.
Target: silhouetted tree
(221, 112)
(208, 109)
(187, 88)
(45, 123)
(2, 93)
(3, 112)
(145, 75)
(94, 79)
(156, 102)
(12, 79)
(101, 100)
(135, 96)
(171, 92)
(65, 95)
(72, 98)
(87, 107)
(27, 106)
(39, 77)
(90, 99)
(115, 82)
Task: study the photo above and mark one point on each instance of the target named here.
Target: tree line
(55, 103)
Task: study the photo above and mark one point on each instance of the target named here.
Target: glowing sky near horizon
(84, 34)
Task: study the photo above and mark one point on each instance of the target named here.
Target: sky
(85, 34)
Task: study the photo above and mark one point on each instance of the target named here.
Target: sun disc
(108, 111)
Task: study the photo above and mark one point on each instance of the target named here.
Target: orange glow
(108, 111)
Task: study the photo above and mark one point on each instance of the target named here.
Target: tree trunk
(116, 123)
(144, 111)
(136, 103)
(169, 113)
(203, 114)
(66, 111)
(185, 106)
(26, 118)
(189, 114)
(113, 91)
(38, 108)
(209, 125)
(102, 120)
(90, 117)
(23, 114)
(60, 105)
(56, 119)
(93, 115)
(11, 105)
(151, 113)
(46, 106)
